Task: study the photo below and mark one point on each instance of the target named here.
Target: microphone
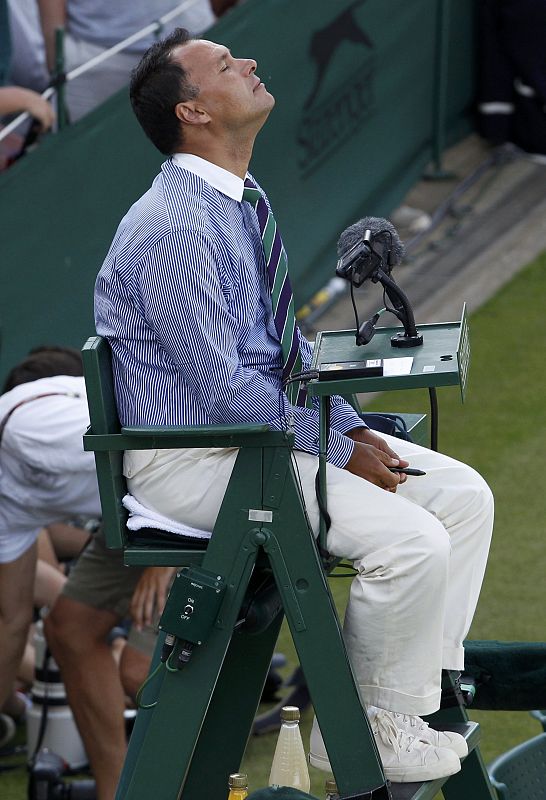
(364, 244)
(370, 248)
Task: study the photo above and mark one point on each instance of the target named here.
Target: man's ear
(191, 113)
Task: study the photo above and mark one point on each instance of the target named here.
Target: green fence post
(441, 61)
(60, 78)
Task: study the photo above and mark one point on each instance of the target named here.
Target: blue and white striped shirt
(182, 297)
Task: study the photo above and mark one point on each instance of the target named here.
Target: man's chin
(271, 100)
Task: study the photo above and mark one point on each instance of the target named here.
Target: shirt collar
(226, 182)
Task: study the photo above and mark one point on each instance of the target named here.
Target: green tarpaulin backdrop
(352, 129)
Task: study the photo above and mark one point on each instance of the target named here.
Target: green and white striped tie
(282, 300)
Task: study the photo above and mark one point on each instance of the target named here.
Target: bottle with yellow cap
(238, 786)
(331, 789)
(289, 767)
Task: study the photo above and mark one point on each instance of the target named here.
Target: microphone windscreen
(380, 228)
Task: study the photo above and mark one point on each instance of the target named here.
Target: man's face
(229, 89)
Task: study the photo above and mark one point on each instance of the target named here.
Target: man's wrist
(359, 433)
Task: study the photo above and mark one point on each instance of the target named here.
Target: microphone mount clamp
(363, 261)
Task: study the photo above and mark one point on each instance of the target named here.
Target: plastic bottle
(289, 767)
(331, 789)
(238, 786)
(49, 720)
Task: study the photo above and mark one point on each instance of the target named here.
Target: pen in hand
(407, 470)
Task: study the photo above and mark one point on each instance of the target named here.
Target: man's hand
(372, 458)
(15, 99)
(150, 594)
(41, 110)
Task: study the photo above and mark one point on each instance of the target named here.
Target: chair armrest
(172, 437)
(189, 430)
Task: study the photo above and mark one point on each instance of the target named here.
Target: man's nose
(249, 66)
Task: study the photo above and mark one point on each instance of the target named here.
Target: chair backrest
(520, 773)
(97, 366)
(540, 714)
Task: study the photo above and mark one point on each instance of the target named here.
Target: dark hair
(44, 362)
(157, 85)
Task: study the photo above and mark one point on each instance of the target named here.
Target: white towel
(142, 517)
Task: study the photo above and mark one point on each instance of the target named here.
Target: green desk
(442, 360)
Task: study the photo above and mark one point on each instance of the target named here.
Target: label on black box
(351, 369)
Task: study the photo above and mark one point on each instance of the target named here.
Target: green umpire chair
(540, 714)
(520, 773)
(223, 614)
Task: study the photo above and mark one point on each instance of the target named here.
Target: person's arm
(150, 595)
(15, 99)
(181, 296)
(372, 457)
(52, 16)
(48, 584)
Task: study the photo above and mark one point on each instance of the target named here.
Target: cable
(307, 375)
(357, 321)
(283, 419)
(43, 716)
(168, 666)
(366, 331)
(299, 488)
(321, 504)
(320, 500)
(391, 310)
(433, 418)
(143, 686)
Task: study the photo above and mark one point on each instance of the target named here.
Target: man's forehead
(200, 50)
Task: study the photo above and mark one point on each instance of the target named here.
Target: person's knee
(482, 494)
(422, 548)
(73, 629)
(431, 544)
(472, 504)
(58, 630)
(16, 620)
(16, 594)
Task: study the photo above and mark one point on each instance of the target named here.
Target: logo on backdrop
(342, 93)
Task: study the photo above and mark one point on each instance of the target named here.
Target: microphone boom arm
(410, 337)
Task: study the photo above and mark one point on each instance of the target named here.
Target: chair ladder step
(428, 790)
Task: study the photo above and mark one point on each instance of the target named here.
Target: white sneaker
(415, 726)
(405, 759)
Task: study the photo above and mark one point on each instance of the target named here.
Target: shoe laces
(413, 720)
(391, 734)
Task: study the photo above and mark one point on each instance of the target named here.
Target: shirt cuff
(340, 449)
(344, 418)
(350, 425)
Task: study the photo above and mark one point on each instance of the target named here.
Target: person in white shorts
(45, 477)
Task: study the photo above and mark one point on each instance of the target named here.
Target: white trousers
(420, 554)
